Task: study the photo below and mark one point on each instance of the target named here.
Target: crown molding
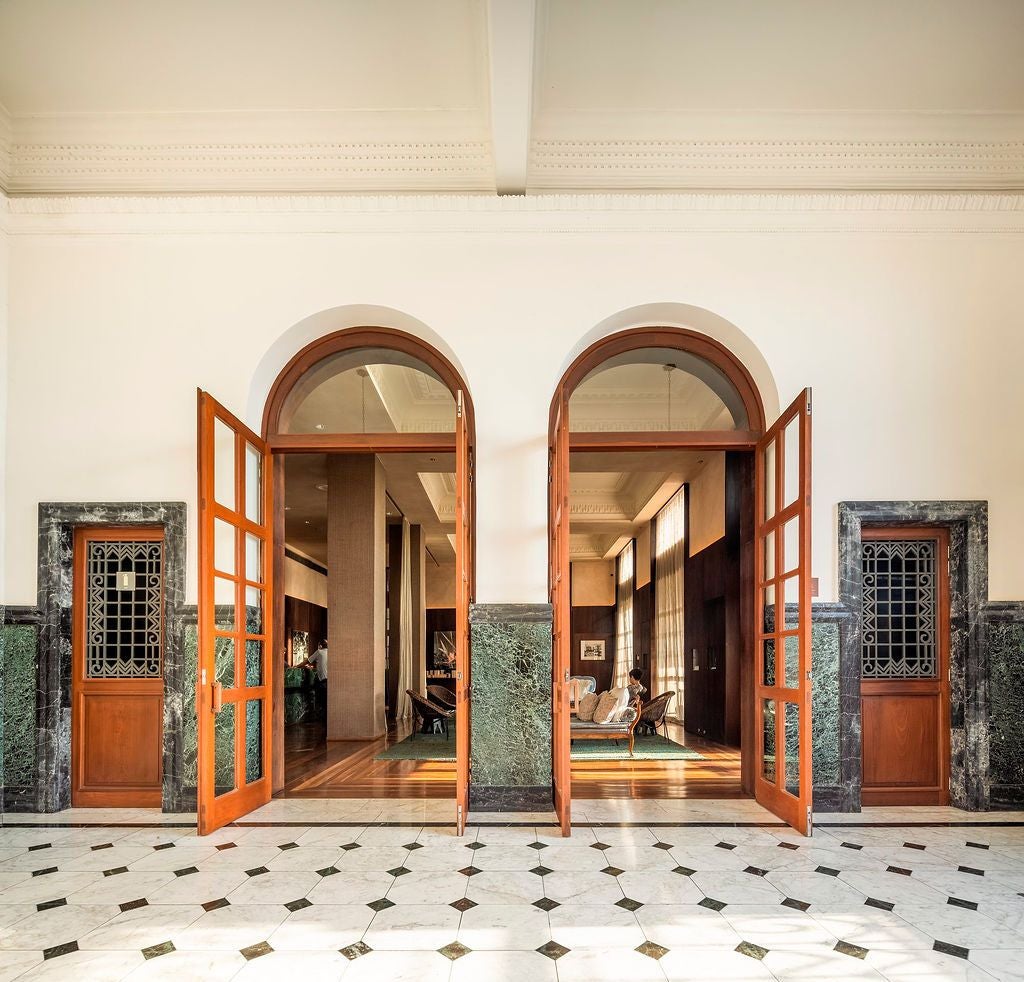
(584, 150)
(168, 153)
(764, 212)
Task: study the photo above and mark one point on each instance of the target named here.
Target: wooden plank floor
(347, 769)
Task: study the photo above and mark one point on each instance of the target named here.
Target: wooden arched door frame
(561, 441)
(461, 442)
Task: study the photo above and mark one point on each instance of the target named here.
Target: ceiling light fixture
(320, 426)
(362, 373)
(669, 369)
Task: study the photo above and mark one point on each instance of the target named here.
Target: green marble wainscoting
(1005, 644)
(510, 653)
(825, 704)
(19, 647)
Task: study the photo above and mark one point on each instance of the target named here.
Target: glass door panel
(783, 597)
(233, 688)
(559, 589)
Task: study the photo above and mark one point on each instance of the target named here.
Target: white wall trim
(555, 213)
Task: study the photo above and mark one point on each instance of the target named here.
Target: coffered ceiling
(517, 96)
(612, 494)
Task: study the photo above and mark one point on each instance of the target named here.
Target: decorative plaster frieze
(886, 211)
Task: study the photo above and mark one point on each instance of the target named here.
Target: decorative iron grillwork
(124, 626)
(900, 603)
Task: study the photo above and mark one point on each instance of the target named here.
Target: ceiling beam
(510, 27)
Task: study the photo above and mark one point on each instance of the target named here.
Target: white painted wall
(905, 314)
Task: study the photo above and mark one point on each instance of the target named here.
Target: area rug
(433, 746)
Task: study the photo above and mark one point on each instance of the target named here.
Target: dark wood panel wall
(643, 632)
(301, 615)
(394, 608)
(438, 619)
(593, 624)
(715, 625)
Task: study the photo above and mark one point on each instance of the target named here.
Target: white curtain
(669, 652)
(403, 710)
(624, 616)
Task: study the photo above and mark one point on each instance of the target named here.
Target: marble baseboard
(515, 799)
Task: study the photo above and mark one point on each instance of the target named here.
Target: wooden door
(235, 669)
(558, 580)
(463, 598)
(905, 666)
(117, 689)
(782, 556)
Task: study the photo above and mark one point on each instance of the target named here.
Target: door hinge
(810, 820)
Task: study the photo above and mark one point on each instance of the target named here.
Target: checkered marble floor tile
(279, 897)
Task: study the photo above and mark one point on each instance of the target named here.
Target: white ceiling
(513, 95)
(611, 495)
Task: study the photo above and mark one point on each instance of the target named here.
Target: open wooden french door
(558, 580)
(463, 598)
(233, 683)
(782, 488)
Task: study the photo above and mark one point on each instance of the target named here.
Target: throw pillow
(621, 705)
(606, 707)
(585, 710)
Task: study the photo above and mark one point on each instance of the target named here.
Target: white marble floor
(90, 895)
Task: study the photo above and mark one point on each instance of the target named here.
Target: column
(356, 563)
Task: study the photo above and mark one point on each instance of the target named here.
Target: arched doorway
(673, 391)
(349, 400)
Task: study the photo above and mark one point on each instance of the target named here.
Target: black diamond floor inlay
(216, 904)
(951, 949)
(463, 904)
(399, 871)
(382, 904)
(853, 950)
(898, 869)
(472, 871)
(537, 845)
(353, 951)
(684, 871)
(724, 845)
(160, 846)
(412, 846)
(301, 904)
(913, 845)
(546, 903)
(828, 871)
(476, 845)
(189, 870)
(327, 871)
(118, 870)
(600, 845)
(795, 904)
(851, 845)
(788, 845)
(626, 904)
(351, 845)
(44, 872)
(977, 845)
(756, 871)
(553, 950)
(652, 950)
(105, 845)
(751, 950)
(453, 951)
(613, 871)
(880, 904)
(285, 846)
(61, 949)
(50, 904)
(45, 845)
(256, 951)
(663, 845)
(258, 871)
(226, 845)
(134, 905)
(541, 870)
(156, 950)
(971, 870)
(966, 904)
(712, 904)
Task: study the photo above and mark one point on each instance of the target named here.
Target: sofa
(623, 728)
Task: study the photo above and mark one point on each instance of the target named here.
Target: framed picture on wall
(592, 650)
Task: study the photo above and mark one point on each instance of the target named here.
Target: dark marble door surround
(967, 522)
(57, 524)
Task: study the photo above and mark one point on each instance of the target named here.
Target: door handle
(218, 697)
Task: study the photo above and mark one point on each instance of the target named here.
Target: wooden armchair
(434, 717)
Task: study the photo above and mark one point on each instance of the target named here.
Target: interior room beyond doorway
(655, 590)
(369, 573)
